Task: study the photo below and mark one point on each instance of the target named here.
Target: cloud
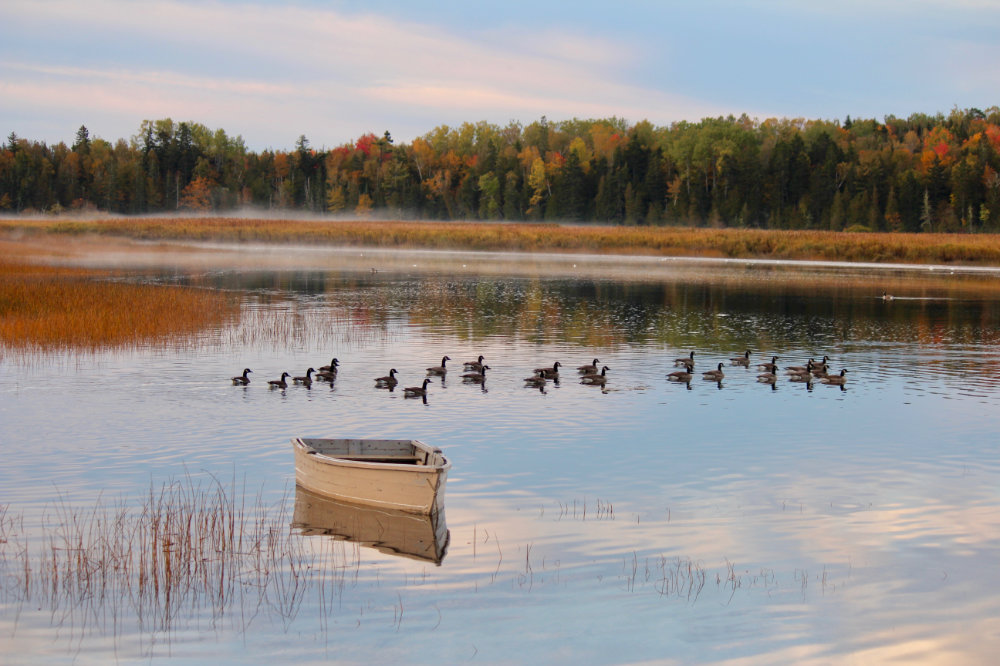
(282, 71)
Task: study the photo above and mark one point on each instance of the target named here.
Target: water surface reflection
(701, 522)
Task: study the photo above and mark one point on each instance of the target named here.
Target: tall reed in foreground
(189, 549)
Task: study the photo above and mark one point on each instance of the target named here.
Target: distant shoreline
(944, 250)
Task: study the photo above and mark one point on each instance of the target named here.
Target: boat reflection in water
(417, 536)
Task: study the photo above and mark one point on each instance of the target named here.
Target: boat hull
(402, 475)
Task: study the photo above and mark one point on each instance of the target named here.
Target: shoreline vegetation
(43, 308)
(917, 174)
(902, 248)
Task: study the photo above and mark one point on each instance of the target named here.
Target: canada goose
(886, 297)
(820, 370)
(771, 367)
(474, 365)
(416, 391)
(767, 377)
(243, 380)
(389, 380)
(799, 369)
(279, 383)
(715, 375)
(439, 370)
(307, 379)
(840, 379)
(536, 380)
(742, 360)
(478, 377)
(550, 373)
(332, 368)
(327, 376)
(680, 376)
(588, 369)
(595, 379)
(685, 360)
(803, 377)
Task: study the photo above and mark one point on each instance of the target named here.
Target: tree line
(923, 173)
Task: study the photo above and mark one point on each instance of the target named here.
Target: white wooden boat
(402, 474)
(420, 537)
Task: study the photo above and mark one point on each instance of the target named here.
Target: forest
(937, 173)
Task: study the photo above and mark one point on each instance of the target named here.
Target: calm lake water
(732, 522)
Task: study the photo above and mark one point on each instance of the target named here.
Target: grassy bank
(971, 249)
(51, 307)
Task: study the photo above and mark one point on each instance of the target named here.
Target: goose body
(679, 376)
(242, 380)
(588, 369)
(840, 379)
(741, 360)
(820, 371)
(477, 377)
(886, 297)
(307, 379)
(416, 391)
(715, 375)
(803, 377)
(686, 360)
(332, 368)
(771, 367)
(279, 383)
(388, 381)
(800, 369)
(596, 379)
(767, 377)
(536, 380)
(550, 373)
(474, 365)
(439, 370)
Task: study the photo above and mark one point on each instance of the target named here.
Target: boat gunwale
(305, 449)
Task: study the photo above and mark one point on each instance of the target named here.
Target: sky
(332, 71)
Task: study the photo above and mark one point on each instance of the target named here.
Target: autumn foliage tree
(938, 173)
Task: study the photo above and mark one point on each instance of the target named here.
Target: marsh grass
(45, 308)
(981, 249)
(189, 550)
(196, 553)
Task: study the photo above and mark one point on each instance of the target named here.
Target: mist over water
(648, 521)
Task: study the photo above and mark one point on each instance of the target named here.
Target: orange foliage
(198, 194)
(281, 166)
(993, 134)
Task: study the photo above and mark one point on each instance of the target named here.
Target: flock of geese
(796, 373)
(592, 374)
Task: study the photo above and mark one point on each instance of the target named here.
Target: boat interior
(379, 451)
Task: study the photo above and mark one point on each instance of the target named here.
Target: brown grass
(50, 307)
(187, 548)
(982, 249)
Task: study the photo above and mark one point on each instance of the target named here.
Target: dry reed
(49, 307)
(189, 549)
(983, 249)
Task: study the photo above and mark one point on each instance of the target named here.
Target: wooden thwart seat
(381, 457)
